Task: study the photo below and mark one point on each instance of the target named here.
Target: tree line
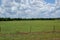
(16, 19)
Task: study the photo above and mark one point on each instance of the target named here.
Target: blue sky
(0, 2)
(50, 1)
(31, 9)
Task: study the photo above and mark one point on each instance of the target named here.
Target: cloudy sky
(30, 8)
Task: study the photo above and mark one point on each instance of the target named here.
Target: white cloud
(29, 10)
(0, 9)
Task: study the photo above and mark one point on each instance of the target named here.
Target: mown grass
(10, 30)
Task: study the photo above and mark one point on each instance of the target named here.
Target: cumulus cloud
(29, 9)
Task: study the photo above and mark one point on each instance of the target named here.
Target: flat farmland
(30, 30)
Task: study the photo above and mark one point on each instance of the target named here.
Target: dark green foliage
(16, 19)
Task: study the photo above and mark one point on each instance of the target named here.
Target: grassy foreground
(22, 30)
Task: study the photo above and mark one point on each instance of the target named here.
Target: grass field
(30, 30)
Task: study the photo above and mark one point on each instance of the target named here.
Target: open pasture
(30, 30)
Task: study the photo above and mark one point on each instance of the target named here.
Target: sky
(50, 1)
(30, 8)
(0, 2)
